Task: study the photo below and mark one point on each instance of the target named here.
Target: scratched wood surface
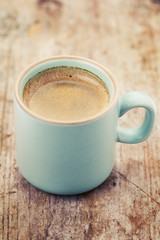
(125, 37)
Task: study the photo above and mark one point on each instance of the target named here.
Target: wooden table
(125, 37)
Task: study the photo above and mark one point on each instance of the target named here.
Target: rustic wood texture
(125, 37)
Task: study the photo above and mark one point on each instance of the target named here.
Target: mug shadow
(108, 185)
(104, 187)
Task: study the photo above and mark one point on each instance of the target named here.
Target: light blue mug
(75, 157)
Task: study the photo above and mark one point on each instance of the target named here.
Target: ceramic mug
(74, 157)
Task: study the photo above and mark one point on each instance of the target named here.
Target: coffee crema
(66, 94)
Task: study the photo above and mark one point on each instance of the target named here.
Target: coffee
(66, 94)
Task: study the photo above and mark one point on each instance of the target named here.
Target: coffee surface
(65, 94)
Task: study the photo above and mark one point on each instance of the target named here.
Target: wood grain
(125, 37)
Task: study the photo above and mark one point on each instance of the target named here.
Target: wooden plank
(125, 37)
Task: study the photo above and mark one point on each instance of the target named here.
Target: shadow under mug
(74, 157)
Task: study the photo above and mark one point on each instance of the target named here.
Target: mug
(74, 157)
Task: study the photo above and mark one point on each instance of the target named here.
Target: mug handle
(133, 100)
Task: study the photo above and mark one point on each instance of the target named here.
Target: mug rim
(59, 57)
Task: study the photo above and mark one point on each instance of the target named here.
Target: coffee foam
(66, 94)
